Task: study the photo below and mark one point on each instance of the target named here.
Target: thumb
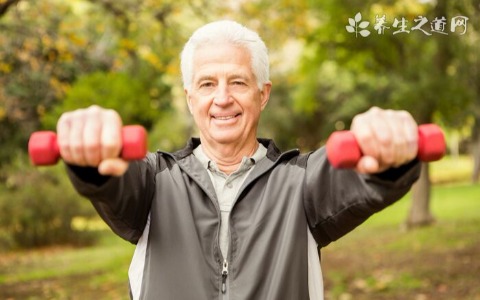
(368, 165)
(113, 167)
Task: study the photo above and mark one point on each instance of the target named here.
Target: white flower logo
(358, 26)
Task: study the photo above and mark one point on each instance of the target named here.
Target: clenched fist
(92, 137)
(387, 138)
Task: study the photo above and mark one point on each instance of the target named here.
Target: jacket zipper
(224, 276)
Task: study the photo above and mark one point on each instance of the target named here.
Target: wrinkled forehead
(222, 56)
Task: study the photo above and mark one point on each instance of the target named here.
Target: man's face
(224, 97)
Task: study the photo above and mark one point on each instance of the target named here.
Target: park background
(329, 61)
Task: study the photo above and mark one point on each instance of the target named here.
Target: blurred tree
(57, 56)
(42, 52)
(469, 71)
(5, 5)
(342, 74)
(128, 96)
(38, 208)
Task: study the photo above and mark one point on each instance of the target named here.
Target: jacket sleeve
(122, 202)
(338, 200)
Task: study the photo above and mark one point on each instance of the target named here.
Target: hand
(92, 137)
(387, 138)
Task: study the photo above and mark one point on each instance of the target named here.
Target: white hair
(226, 32)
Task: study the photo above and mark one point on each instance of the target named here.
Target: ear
(189, 101)
(265, 94)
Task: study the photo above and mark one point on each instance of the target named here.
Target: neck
(228, 157)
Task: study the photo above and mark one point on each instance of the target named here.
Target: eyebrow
(238, 76)
(230, 77)
(205, 78)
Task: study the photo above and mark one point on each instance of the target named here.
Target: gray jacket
(172, 196)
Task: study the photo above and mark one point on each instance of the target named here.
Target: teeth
(224, 117)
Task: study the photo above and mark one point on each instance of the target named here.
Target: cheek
(200, 110)
(255, 107)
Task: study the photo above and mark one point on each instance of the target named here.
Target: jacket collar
(192, 166)
(273, 153)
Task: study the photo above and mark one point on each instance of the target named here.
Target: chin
(226, 137)
(226, 140)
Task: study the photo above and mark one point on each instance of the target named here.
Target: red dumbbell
(43, 148)
(343, 150)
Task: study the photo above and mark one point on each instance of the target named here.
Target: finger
(75, 138)
(368, 165)
(111, 137)
(364, 134)
(410, 129)
(402, 146)
(63, 133)
(113, 167)
(92, 136)
(390, 139)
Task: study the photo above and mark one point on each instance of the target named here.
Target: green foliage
(412, 72)
(398, 264)
(41, 54)
(62, 55)
(171, 131)
(128, 96)
(38, 206)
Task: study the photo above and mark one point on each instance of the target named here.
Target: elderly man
(230, 216)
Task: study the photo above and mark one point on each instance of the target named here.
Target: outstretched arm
(90, 142)
(338, 200)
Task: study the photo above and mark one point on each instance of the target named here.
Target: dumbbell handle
(43, 148)
(343, 150)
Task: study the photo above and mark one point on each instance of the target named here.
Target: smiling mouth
(224, 118)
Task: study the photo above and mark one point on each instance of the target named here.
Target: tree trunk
(5, 5)
(420, 214)
(476, 150)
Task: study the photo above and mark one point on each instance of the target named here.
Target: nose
(222, 96)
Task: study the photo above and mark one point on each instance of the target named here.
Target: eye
(206, 84)
(238, 82)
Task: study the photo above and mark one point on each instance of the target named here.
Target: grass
(61, 262)
(452, 169)
(60, 272)
(378, 260)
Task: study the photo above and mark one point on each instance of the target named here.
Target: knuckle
(79, 113)
(76, 147)
(93, 111)
(111, 114)
(65, 117)
(404, 114)
(374, 110)
(399, 143)
(94, 107)
(390, 114)
(388, 159)
(64, 121)
(358, 122)
(92, 146)
(364, 137)
(111, 147)
(63, 144)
